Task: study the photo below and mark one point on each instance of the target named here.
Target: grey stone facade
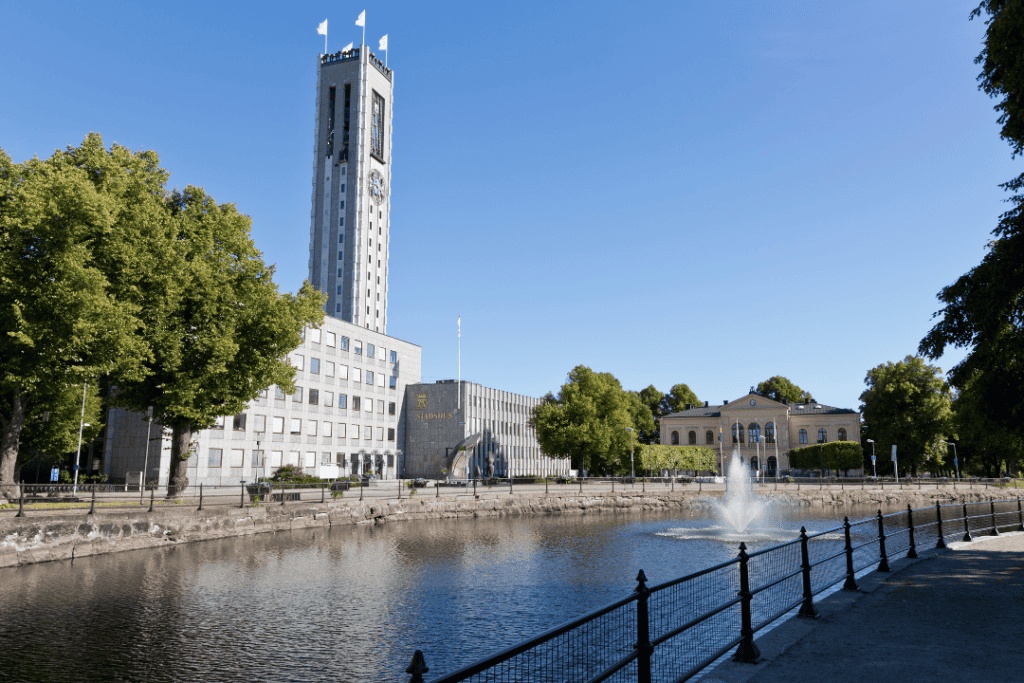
(350, 217)
(463, 428)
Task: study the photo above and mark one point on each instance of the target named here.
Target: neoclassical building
(763, 430)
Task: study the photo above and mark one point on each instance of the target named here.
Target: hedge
(660, 457)
(838, 455)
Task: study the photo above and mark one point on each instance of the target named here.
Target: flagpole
(460, 362)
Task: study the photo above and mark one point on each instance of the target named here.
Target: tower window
(341, 239)
(377, 123)
(341, 255)
(344, 128)
(330, 123)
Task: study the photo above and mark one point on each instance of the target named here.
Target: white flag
(347, 48)
(383, 43)
(361, 21)
(322, 28)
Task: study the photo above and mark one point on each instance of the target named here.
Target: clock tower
(350, 218)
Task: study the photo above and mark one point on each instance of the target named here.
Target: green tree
(983, 311)
(220, 331)
(654, 401)
(76, 241)
(586, 422)
(778, 388)
(984, 447)
(45, 443)
(677, 398)
(909, 404)
(644, 423)
(836, 455)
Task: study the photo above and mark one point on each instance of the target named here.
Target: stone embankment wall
(51, 536)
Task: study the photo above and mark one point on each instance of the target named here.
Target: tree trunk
(181, 448)
(9, 447)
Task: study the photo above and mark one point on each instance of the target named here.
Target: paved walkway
(950, 616)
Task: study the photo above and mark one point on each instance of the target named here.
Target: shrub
(838, 455)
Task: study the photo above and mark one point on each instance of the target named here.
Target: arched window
(693, 438)
(842, 433)
(675, 438)
(803, 436)
(737, 436)
(755, 432)
(769, 432)
(822, 435)
(709, 437)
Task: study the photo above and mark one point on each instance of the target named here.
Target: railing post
(747, 652)
(241, 499)
(581, 484)
(361, 487)
(417, 667)
(152, 496)
(995, 526)
(643, 631)
(807, 608)
(437, 488)
(92, 505)
(883, 565)
(21, 502)
(283, 487)
(323, 491)
(510, 482)
(967, 527)
(643, 485)
(938, 518)
(200, 496)
(851, 581)
(474, 487)
(1020, 516)
(912, 553)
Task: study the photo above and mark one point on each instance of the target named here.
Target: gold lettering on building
(434, 416)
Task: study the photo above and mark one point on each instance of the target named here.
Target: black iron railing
(671, 631)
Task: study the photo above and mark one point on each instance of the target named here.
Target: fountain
(741, 506)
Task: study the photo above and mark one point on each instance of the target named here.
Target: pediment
(760, 403)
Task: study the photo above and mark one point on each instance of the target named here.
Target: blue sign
(53, 474)
(75, 468)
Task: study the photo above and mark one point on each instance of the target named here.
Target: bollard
(510, 483)
(399, 488)
(967, 527)
(883, 565)
(851, 582)
(1020, 516)
(361, 487)
(807, 608)
(673, 480)
(643, 485)
(938, 518)
(437, 488)
(152, 495)
(282, 494)
(747, 652)
(92, 505)
(643, 645)
(700, 485)
(323, 491)
(200, 496)
(613, 484)
(912, 553)
(242, 499)
(21, 503)
(474, 487)
(417, 667)
(995, 526)
(581, 484)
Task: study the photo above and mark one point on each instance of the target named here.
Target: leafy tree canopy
(983, 311)
(679, 396)
(779, 388)
(909, 404)
(587, 421)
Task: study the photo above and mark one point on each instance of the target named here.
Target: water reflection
(348, 604)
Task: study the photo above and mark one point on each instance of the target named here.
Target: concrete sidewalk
(953, 615)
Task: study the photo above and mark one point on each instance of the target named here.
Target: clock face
(753, 402)
(376, 186)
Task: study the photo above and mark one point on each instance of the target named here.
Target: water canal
(347, 604)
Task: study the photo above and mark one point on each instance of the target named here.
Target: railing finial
(417, 667)
(641, 581)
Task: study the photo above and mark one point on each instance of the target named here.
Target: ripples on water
(348, 604)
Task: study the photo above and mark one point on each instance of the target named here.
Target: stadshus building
(347, 414)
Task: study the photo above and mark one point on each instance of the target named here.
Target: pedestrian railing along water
(671, 631)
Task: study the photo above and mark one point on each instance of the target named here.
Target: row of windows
(754, 430)
(321, 428)
(236, 458)
(823, 435)
(238, 422)
(494, 404)
(315, 335)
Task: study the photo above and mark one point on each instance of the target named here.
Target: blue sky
(709, 193)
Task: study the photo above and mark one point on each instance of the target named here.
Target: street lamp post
(81, 426)
(632, 470)
(145, 462)
(956, 462)
(874, 470)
